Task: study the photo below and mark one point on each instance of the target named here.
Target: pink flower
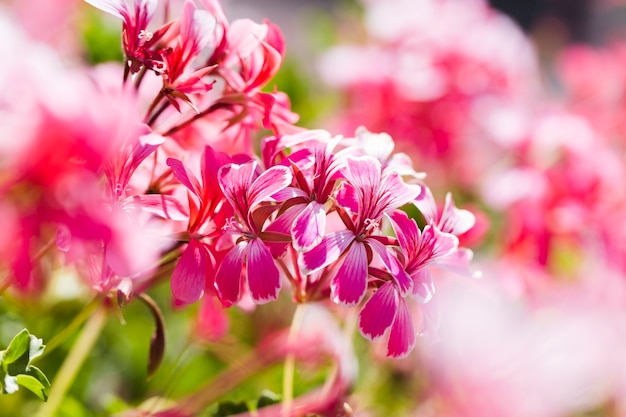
(137, 41)
(208, 213)
(245, 189)
(196, 30)
(368, 194)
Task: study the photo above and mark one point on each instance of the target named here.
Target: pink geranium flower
(245, 189)
(368, 194)
(137, 42)
(196, 267)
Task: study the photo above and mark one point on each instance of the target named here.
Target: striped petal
(349, 284)
(190, 274)
(402, 334)
(395, 268)
(308, 229)
(263, 275)
(327, 252)
(228, 282)
(269, 182)
(378, 313)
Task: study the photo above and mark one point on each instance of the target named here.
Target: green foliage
(16, 368)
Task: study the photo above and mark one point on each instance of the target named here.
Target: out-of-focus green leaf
(229, 408)
(34, 385)
(267, 398)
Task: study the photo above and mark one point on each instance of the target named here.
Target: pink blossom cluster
(437, 75)
(541, 333)
(135, 173)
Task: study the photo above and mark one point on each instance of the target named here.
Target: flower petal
(378, 313)
(263, 275)
(407, 232)
(349, 284)
(402, 334)
(308, 229)
(327, 252)
(190, 274)
(395, 268)
(228, 282)
(181, 174)
(235, 180)
(269, 182)
(423, 285)
(454, 220)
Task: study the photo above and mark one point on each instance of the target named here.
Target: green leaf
(40, 376)
(34, 385)
(17, 348)
(229, 408)
(267, 398)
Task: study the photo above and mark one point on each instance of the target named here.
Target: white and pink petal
(263, 275)
(349, 284)
(379, 312)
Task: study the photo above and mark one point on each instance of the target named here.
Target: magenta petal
(440, 244)
(349, 284)
(378, 313)
(402, 334)
(396, 193)
(228, 282)
(269, 182)
(235, 180)
(409, 236)
(190, 274)
(395, 268)
(181, 174)
(308, 229)
(263, 275)
(327, 252)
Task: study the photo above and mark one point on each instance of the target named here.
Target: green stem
(74, 360)
(290, 360)
(69, 330)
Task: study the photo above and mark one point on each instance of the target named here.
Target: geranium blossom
(369, 194)
(245, 189)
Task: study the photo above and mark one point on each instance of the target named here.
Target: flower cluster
(159, 177)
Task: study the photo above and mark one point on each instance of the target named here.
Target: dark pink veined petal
(402, 334)
(349, 284)
(454, 220)
(378, 313)
(190, 274)
(394, 192)
(181, 174)
(440, 244)
(363, 173)
(395, 268)
(263, 275)
(327, 252)
(309, 227)
(268, 183)
(407, 232)
(347, 198)
(235, 180)
(228, 281)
